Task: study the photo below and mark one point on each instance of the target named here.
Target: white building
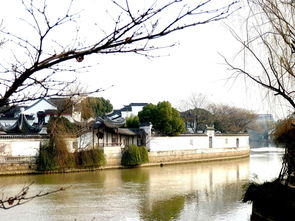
(41, 110)
(128, 110)
(40, 106)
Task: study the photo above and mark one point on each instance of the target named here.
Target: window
(210, 142)
(114, 138)
(237, 142)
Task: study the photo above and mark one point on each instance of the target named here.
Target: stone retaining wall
(155, 158)
(196, 155)
(185, 156)
(17, 168)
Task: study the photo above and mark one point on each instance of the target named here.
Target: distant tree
(95, 106)
(194, 101)
(194, 112)
(259, 132)
(229, 119)
(197, 119)
(132, 122)
(166, 120)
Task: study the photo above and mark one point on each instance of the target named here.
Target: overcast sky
(194, 65)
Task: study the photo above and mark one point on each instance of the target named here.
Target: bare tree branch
(270, 47)
(134, 31)
(23, 197)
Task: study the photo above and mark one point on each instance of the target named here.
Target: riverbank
(271, 201)
(156, 158)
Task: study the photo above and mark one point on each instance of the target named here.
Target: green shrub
(51, 157)
(134, 155)
(53, 154)
(45, 158)
(144, 154)
(90, 158)
(132, 122)
(61, 124)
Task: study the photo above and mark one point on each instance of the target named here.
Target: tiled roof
(138, 104)
(29, 117)
(126, 108)
(110, 123)
(129, 107)
(11, 111)
(118, 113)
(115, 114)
(129, 131)
(22, 126)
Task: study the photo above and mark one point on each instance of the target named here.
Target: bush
(51, 158)
(61, 125)
(134, 155)
(90, 158)
(144, 154)
(54, 154)
(45, 158)
(132, 122)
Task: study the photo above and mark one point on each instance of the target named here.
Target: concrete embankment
(189, 156)
(156, 158)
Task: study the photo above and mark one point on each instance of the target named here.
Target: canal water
(209, 191)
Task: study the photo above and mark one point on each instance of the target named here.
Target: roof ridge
(39, 102)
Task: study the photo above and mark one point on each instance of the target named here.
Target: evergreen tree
(164, 118)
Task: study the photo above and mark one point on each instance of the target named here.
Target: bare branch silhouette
(32, 72)
(23, 196)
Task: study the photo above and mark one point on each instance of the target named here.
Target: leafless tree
(194, 112)
(228, 119)
(35, 62)
(269, 60)
(196, 100)
(268, 49)
(200, 113)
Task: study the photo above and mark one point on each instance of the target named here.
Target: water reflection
(200, 191)
(165, 210)
(265, 166)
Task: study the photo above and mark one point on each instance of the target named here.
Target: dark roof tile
(22, 126)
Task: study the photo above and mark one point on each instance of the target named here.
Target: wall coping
(231, 135)
(205, 135)
(23, 136)
(184, 135)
